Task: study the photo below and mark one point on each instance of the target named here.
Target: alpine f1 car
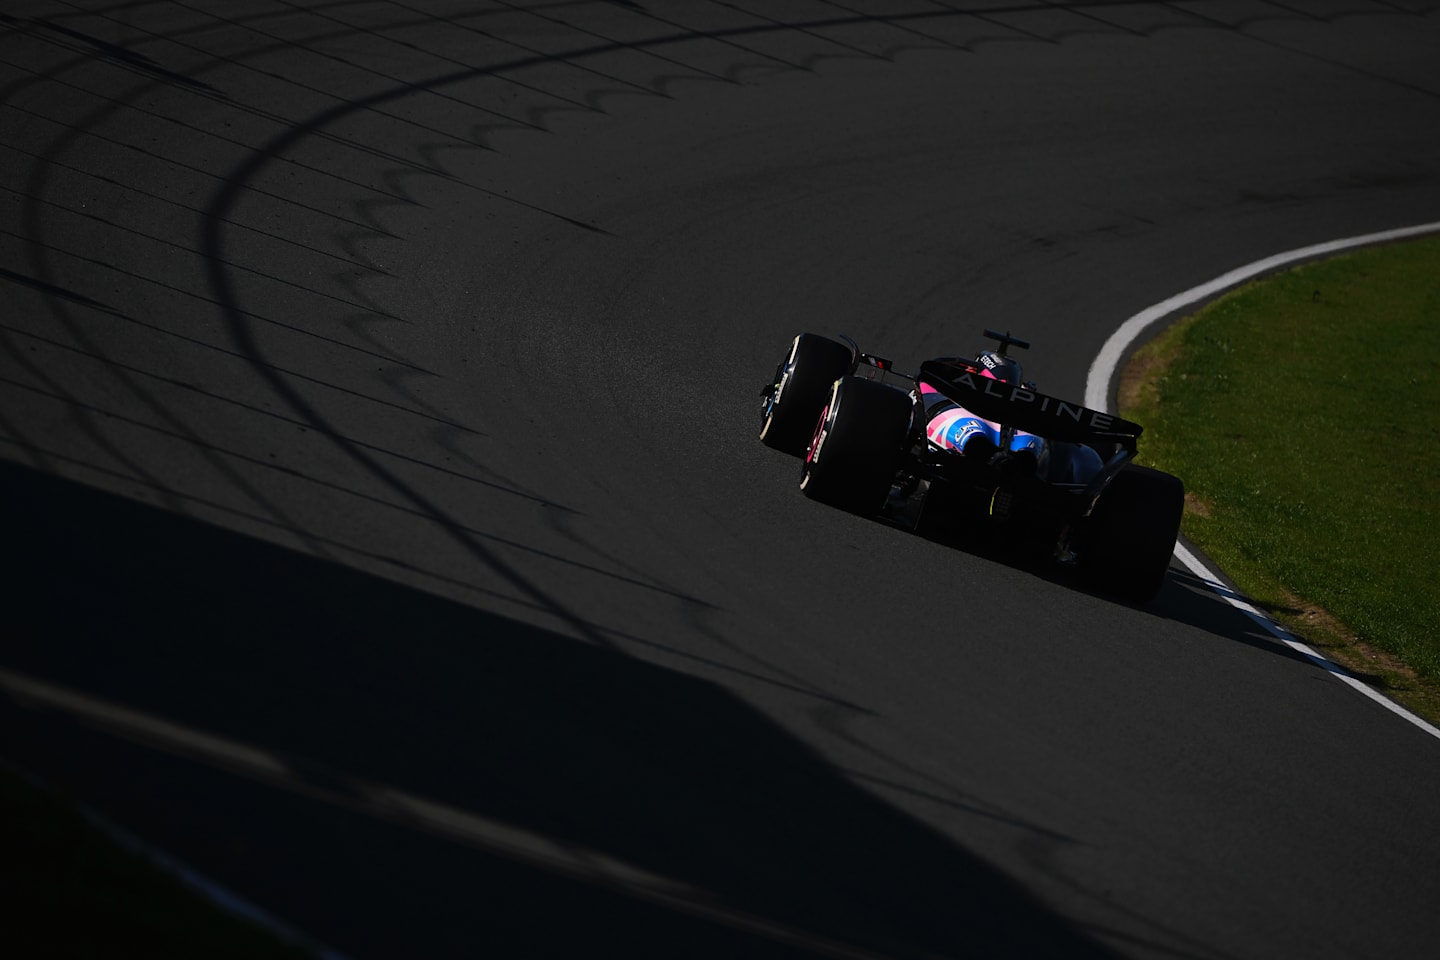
(969, 447)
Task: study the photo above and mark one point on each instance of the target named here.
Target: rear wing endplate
(871, 367)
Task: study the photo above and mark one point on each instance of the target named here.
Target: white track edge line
(1098, 386)
(1241, 603)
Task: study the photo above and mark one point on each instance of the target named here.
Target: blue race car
(968, 447)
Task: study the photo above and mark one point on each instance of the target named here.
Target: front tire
(801, 388)
(1126, 543)
(857, 445)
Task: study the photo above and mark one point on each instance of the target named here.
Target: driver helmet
(999, 367)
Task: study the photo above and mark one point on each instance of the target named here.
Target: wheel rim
(775, 397)
(817, 439)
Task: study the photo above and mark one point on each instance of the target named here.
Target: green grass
(69, 891)
(1303, 413)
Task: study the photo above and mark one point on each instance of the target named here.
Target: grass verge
(71, 891)
(1303, 413)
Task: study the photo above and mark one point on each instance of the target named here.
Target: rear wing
(1019, 406)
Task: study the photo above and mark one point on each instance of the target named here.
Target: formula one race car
(968, 447)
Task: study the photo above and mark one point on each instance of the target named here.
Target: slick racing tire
(1125, 545)
(857, 445)
(802, 385)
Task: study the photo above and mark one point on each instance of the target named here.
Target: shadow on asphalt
(1199, 603)
(755, 845)
(1183, 598)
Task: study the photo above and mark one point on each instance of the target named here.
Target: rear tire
(1126, 543)
(857, 445)
(801, 388)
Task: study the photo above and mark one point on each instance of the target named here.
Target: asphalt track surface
(387, 538)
